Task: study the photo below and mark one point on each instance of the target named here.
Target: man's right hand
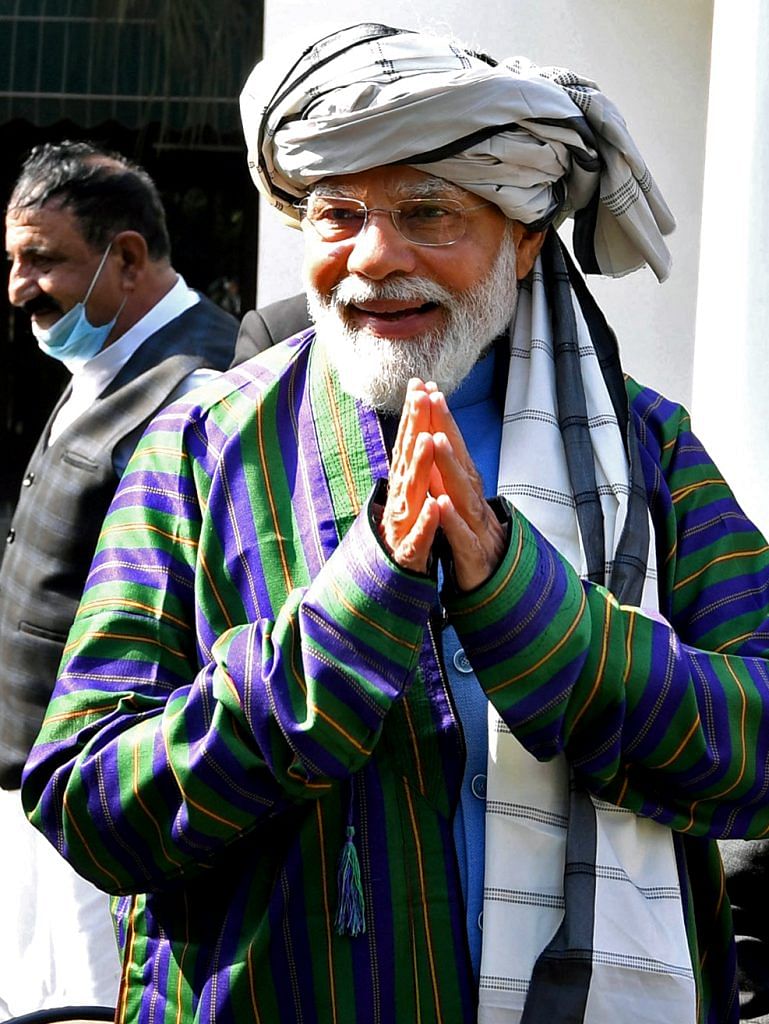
(411, 516)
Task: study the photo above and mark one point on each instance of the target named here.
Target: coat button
(478, 786)
(462, 662)
(28, 480)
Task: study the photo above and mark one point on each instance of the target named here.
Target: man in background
(91, 264)
(264, 327)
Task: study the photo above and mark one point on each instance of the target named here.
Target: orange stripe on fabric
(107, 602)
(423, 902)
(734, 642)
(689, 733)
(297, 776)
(160, 449)
(122, 1007)
(252, 986)
(137, 796)
(228, 682)
(292, 644)
(73, 716)
(684, 492)
(180, 973)
(326, 908)
(342, 732)
(414, 744)
(303, 468)
(546, 657)
(86, 847)
(740, 776)
(217, 597)
(117, 528)
(356, 613)
(266, 480)
(629, 645)
(601, 664)
(716, 561)
(671, 554)
(187, 799)
(349, 480)
(100, 634)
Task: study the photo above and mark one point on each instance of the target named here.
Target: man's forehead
(396, 181)
(40, 229)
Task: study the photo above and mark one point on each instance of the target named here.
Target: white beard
(376, 370)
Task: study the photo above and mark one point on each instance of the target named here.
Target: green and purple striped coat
(249, 672)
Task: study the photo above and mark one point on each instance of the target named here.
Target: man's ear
(131, 249)
(527, 246)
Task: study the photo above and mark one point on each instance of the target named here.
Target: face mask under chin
(73, 339)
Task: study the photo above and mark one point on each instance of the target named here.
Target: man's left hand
(475, 535)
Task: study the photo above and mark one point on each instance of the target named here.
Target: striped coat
(249, 674)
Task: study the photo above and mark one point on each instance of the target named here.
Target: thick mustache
(41, 304)
(352, 291)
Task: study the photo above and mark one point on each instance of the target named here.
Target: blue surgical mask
(73, 339)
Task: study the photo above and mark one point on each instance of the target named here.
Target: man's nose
(22, 285)
(379, 249)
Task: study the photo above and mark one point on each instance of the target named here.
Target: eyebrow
(35, 251)
(430, 187)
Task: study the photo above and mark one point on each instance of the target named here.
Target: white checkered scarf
(538, 142)
(582, 910)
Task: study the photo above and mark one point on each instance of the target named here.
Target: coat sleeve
(667, 716)
(157, 749)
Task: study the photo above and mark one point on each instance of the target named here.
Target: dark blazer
(269, 325)
(746, 868)
(64, 497)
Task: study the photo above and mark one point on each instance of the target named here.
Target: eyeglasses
(421, 221)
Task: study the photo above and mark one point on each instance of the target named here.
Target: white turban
(540, 143)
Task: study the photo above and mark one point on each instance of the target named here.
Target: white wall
(651, 58)
(731, 379)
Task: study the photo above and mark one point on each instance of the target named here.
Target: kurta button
(28, 480)
(11, 536)
(478, 786)
(462, 662)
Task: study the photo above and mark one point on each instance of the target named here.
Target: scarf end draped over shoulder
(542, 143)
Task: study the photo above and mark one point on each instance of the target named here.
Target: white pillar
(731, 369)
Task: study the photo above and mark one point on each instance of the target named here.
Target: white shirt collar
(90, 379)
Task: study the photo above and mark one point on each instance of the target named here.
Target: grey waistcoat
(64, 497)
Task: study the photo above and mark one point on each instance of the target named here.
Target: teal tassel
(350, 916)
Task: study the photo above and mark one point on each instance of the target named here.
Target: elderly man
(423, 657)
(90, 262)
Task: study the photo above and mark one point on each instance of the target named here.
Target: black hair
(106, 192)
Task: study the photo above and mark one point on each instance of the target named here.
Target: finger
(442, 421)
(407, 492)
(476, 556)
(436, 481)
(415, 419)
(414, 549)
(462, 482)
